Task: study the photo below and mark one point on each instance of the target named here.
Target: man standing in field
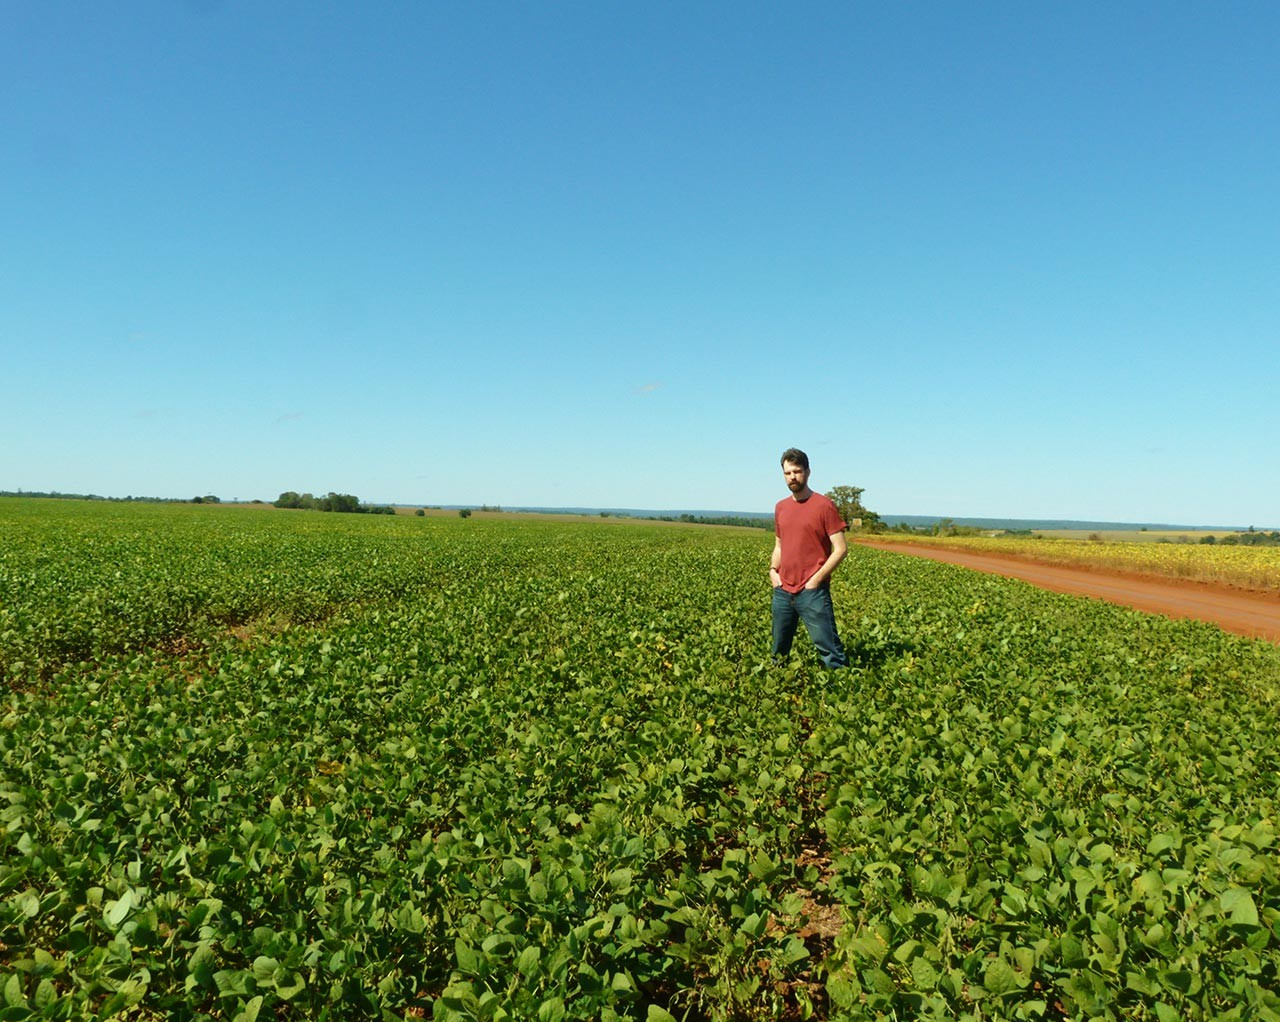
(810, 543)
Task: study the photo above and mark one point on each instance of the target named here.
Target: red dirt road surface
(1256, 615)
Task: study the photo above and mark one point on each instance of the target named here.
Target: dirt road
(1254, 614)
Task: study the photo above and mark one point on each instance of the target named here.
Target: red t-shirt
(805, 529)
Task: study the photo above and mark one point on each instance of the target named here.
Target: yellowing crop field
(1250, 567)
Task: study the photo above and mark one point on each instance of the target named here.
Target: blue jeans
(814, 608)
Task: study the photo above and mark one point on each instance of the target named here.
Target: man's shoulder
(814, 502)
(828, 509)
(817, 511)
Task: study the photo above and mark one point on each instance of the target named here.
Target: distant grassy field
(1246, 567)
(1133, 535)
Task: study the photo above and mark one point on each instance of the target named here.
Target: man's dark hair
(796, 457)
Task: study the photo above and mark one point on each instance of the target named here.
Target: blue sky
(999, 259)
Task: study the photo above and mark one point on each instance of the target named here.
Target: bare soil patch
(1244, 612)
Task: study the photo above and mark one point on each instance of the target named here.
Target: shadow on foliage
(869, 645)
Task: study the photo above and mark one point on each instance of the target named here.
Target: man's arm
(776, 559)
(839, 547)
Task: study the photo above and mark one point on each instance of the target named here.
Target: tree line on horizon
(208, 498)
(1252, 537)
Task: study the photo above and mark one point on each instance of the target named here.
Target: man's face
(797, 477)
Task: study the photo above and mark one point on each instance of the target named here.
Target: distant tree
(342, 503)
(848, 501)
(421, 513)
(464, 512)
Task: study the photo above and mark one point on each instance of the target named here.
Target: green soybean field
(260, 764)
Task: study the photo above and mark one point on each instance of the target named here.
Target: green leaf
(923, 974)
(116, 911)
(265, 970)
(1139, 983)
(999, 978)
(232, 982)
(1148, 884)
(551, 1010)
(754, 925)
(290, 985)
(13, 995)
(251, 1009)
(527, 964)
(1163, 843)
(843, 990)
(127, 994)
(1239, 906)
(622, 983)
(46, 994)
(201, 966)
(468, 958)
(28, 904)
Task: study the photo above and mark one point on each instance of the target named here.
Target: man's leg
(785, 621)
(819, 616)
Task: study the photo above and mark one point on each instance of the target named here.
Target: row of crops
(284, 765)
